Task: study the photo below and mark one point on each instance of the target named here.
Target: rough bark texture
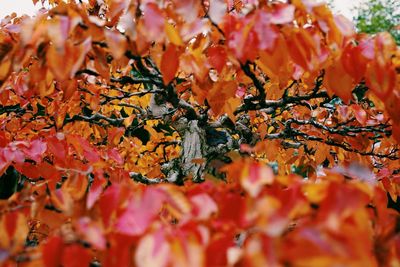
(193, 147)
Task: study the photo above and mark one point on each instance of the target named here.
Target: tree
(378, 16)
(197, 133)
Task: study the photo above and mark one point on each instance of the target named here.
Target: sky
(344, 7)
(26, 7)
(18, 6)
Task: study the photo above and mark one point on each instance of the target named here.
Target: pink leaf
(204, 205)
(92, 233)
(153, 22)
(141, 211)
(153, 250)
(35, 150)
(255, 177)
(217, 10)
(282, 14)
(114, 155)
(266, 33)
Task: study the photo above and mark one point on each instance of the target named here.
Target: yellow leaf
(128, 121)
(5, 68)
(173, 34)
(315, 192)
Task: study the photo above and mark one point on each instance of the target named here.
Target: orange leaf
(361, 115)
(301, 47)
(64, 64)
(116, 42)
(169, 63)
(5, 69)
(114, 135)
(338, 81)
(69, 88)
(76, 186)
(381, 78)
(276, 63)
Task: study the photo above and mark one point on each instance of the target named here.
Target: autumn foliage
(197, 133)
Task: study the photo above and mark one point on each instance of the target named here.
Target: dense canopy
(197, 133)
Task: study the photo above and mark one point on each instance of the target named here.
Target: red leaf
(350, 55)
(57, 146)
(341, 201)
(169, 63)
(13, 153)
(367, 48)
(3, 139)
(52, 251)
(95, 190)
(119, 251)
(217, 250)
(44, 169)
(381, 73)
(4, 163)
(217, 57)
(83, 147)
(242, 37)
(115, 8)
(68, 87)
(11, 223)
(229, 215)
(75, 256)
(396, 132)
(108, 203)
